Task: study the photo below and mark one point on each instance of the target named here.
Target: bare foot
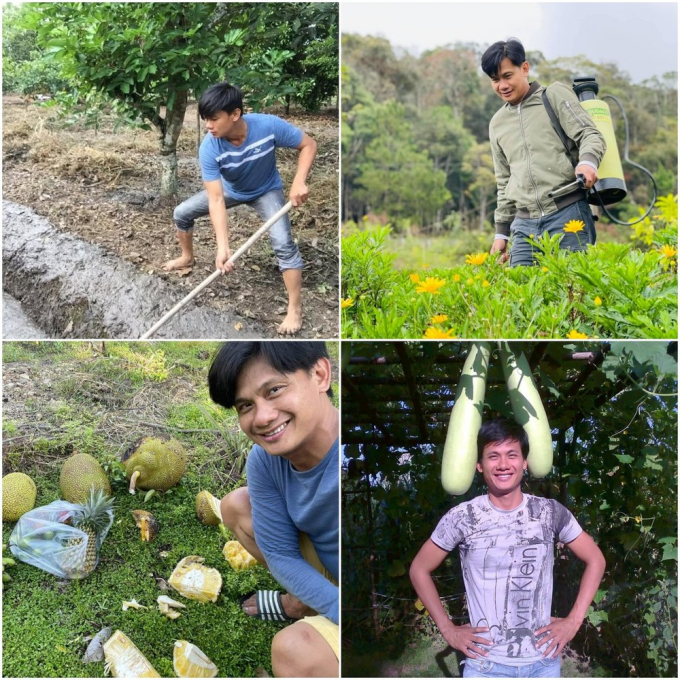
(292, 323)
(291, 606)
(178, 263)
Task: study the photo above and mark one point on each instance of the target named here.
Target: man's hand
(465, 639)
(500, 245)
(223, 254)
(556, 635)
(589, 172)
(299, 193)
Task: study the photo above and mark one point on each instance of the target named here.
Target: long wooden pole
(245, 247)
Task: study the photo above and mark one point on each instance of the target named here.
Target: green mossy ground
(93, 398)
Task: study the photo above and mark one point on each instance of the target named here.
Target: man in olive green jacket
(530, 160)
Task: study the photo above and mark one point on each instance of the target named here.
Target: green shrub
(610, 290)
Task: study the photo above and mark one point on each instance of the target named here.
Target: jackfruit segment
(196, 581)
(133, 604)
(147, 523)
(190, 662)
(18, 496)
(237, 556)
(208, 509)
(165, 605)
(124, 660)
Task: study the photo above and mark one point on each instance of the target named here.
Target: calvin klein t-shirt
(507, 559)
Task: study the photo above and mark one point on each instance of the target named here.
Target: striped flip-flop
(269, 607)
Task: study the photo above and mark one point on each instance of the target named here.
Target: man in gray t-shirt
(506, 541)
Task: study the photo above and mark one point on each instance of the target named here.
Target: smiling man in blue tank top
(238, 165)
(288, 515)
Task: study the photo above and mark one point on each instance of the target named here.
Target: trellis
(401, 394)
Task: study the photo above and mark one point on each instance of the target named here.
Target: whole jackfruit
(79, 474)
(208, 509)
(154, 463)
(18, 495)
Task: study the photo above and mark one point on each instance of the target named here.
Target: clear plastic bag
(41, 538)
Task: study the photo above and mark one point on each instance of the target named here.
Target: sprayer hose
(636, 165)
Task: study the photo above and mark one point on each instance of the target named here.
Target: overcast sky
(640, 38)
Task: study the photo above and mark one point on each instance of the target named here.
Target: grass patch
(93, 398)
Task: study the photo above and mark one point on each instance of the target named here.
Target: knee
(181, 219)
(292, 651)
(235, 506)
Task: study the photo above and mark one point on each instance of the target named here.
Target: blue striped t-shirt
(249, 171)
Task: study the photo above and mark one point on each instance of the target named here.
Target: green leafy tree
(397, 178)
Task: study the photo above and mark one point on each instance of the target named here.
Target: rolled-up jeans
(280, 235)
(525, 232)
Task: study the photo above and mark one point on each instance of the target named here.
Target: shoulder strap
(557, 126)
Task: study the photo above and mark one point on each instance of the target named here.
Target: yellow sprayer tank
(611, 184)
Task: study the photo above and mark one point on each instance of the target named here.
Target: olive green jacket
(529, 158)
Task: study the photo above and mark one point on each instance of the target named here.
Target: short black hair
(283, 356)
(220, 97)
(510, 48)
(501, 430)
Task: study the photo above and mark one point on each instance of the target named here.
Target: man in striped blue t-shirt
(238, 165)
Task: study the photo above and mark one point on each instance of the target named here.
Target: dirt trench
(70, 288)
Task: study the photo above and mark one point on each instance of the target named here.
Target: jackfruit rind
(18, 495)
(79, 474)
(237, 556)
(160, 462)
(124, 660)
(208, 509)
(190, 662)
(196, 581)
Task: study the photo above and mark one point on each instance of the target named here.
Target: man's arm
(505, 211)
(299, 191)
(580, 127)
(279, 540)
(218, 217)
(463, 638)
(560, 631)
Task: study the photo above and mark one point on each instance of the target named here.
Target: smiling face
(223, 125)
(511, 82)
(286, 414)
(502, 466)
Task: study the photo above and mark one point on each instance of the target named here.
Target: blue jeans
(285, 248)
(523, 229)
(483, 668)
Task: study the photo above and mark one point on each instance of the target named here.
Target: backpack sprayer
(610, 186)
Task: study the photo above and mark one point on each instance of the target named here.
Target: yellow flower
(470, 282)
(431, 285)
(425, 265)
(439, 318)
(668, 251)
(638, 519)
(575, 335)
(544, 269)
(365, 218)
(574, 226)
(456, 277)
(597, 301)
(486, 284)
(479, 258)
(347, 303)
(438, 334)
(415, 278)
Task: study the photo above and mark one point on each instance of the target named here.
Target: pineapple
(93, 517)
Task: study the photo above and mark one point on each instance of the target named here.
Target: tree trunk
(174, 119)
